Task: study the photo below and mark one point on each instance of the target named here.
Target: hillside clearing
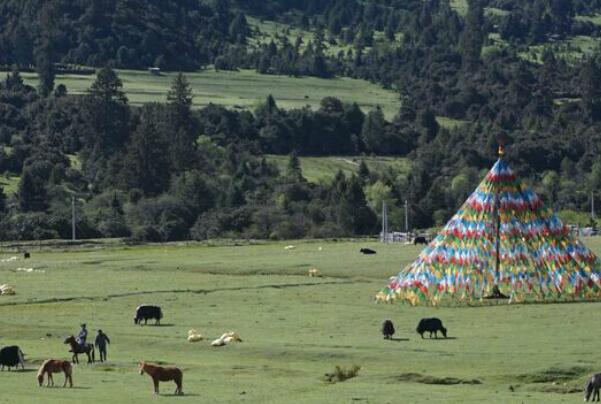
(316, 169)
(242, 89)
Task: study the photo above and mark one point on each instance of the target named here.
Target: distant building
(155, 71)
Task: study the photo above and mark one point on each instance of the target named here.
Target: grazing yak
(387, 329)
(11, 356)
(420, 240)
(592, 388)
(431, 325)
(146, 312)
(367, 251)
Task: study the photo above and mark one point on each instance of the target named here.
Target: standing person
(101, 341)
(83, 335)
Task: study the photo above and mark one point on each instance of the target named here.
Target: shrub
(341, 374)
(146, 233)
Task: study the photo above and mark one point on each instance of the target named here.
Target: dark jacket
(102, 340)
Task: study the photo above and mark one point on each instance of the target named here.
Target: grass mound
(341, 374)
(427, 379)
(554, 374)
(556, 389)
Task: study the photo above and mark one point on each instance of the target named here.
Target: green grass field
(295, 329)
(265, 31)
(242, 89)
(316, 169)
(9, 183)
(594, 18)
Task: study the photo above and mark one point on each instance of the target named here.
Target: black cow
(387, 329)
(367, 251)
(431, 325)
(26, 255)
(420, 240)
(145, 312)
(11, 356)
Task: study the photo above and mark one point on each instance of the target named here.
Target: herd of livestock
(12, 356)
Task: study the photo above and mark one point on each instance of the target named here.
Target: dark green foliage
(45, 67)
(473, 35)
(166, 172)
(182, 127)
(32, 191)
(106, 116)
(2, 201)
(590, 78)
(145, 163)
(171, 34)
(293, 169)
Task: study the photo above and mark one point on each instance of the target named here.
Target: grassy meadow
(295, 328)
(316, 169)
(243, 89)
(9, 183)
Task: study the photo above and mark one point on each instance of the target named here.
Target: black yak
(367, 251)
(145, 312)
(11, 356)
(592, 388)
(420, 240)
(387, 329)
(431, 325)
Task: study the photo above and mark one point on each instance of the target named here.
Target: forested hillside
(525, 73)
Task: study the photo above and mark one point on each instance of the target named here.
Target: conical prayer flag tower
(502, 243)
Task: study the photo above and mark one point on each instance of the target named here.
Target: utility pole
(406, 217)
(73, 237)
(384, 237)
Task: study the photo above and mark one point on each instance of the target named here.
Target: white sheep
(289, 247)
(6, 289)
(313, 272)
(194, 336)
(226, 339)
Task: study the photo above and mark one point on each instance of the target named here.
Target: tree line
(546, 107)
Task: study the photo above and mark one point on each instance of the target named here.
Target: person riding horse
(82, 336)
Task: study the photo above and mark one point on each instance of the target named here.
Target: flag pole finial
(501, 150)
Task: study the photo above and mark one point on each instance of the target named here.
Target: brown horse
(161, 374)
(51, 366)
(77, 349)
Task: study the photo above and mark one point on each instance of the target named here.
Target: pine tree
(473, 35)
(23, 47)
(590, 79)
(31, 195)
(44, 51)
(363, 172)
(182, 145)
(14, 81)
(2, 200)
(373, 130)
(145, 164)
(293, 169)
(107, 116)
(239, 27)
(359, 218)
(45, 67)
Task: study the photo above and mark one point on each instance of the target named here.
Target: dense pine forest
(527, 74)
